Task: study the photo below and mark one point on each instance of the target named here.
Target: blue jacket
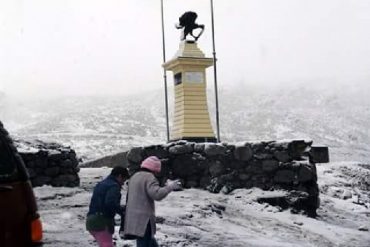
(106, 198)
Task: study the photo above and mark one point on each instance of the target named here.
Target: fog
(91, 47)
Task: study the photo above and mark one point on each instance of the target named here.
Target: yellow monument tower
(191, 117)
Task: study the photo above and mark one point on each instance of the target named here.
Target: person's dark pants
(147, 240)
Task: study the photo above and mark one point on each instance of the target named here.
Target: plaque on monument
(194, 77)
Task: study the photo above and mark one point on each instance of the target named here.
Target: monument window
(178, 78)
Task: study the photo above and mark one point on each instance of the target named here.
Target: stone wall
(50, 163)
(288, 165)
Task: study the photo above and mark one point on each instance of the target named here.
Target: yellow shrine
(191, 117)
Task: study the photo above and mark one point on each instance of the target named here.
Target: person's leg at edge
(104, 238)
(154, 243)
(147, 240)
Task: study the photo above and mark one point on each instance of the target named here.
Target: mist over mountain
(335, 116)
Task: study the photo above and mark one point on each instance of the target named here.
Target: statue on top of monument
(187, 22)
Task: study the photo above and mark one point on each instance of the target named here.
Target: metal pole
(164, 73)
(215, 72)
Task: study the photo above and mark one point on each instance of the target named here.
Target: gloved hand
(174, 185)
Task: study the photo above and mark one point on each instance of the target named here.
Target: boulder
(135, 155)
(216, 168)
(181, 149)
(282, 156)
(270, 165)
(156, 150)
(52, 171)
(212, 149)
(243, 153)
(305, 173)
(284, 176)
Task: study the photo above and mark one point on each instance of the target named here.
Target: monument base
(196, 139)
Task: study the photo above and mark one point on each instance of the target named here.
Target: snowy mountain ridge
(100, 125)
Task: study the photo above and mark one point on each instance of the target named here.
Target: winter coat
(143, 190)
(104, 205)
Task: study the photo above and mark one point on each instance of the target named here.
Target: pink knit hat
(152, 163)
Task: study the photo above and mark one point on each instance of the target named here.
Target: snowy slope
(338, 117)
(198, 218)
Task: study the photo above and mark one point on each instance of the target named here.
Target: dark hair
(119, 170)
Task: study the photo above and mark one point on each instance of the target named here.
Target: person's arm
(156, 192)
(112, 200)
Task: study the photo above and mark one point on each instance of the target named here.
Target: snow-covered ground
(198, 218)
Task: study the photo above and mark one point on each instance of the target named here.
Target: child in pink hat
(143, 190)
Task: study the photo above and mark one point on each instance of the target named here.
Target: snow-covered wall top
(50, 163)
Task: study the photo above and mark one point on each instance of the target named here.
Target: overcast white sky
(114, 46)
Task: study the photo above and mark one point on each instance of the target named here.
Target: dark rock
(185, 165)
(305, 173)
(40, 181)
(55, 155)
(212, 149)
(254, 167)
(135, 155)
(243, 153)
(199, 147)
(216, 168)
(133, 167)
(284, 176)
(282, 156)
(52, 171)
(216, 185)
(236, 165)
(191, 184)
(41, 162)
(31, 164)
(243, 176)
(157, 151)
(227, 188)
(279, 201)
(258, 147)
(217, 208)
(67, 163)
(31, 173)
(297, 148)
(159, 220)
(363, 228)
(181, 149)
(263, 156)
(230, 177)
(65, 180)
(270, 165)
(319, 155)
(205, 181)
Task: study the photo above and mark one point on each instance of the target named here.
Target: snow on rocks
(49, 163)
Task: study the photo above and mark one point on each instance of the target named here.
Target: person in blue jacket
(105, 204)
